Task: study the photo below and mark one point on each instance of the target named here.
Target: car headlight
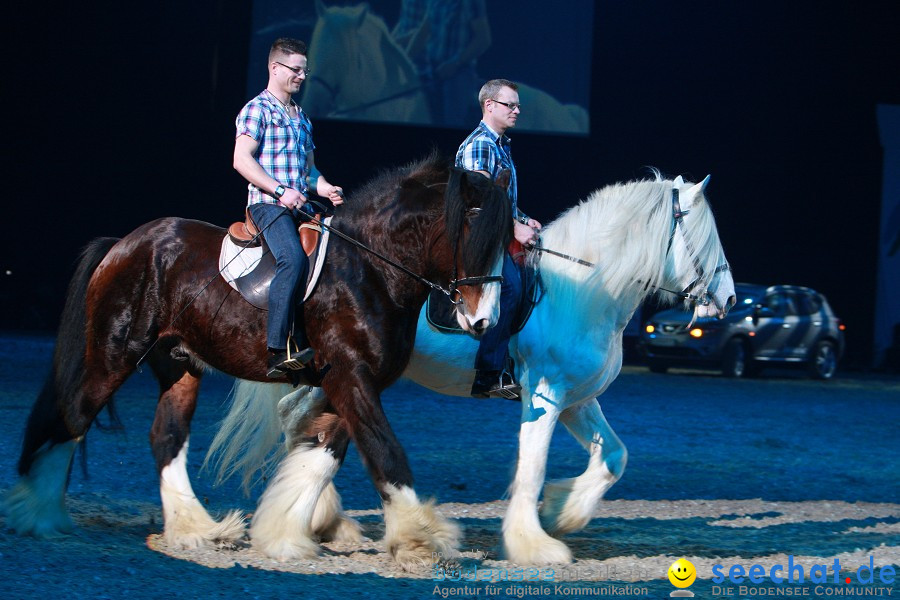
(649, 328)
(696, 332)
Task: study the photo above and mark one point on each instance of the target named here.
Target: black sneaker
(495, 384)
(280, 363)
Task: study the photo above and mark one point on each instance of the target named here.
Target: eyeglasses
(509, 105)
(297, 70)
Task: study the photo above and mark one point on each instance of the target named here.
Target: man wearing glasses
(487, 151)
(273, 151)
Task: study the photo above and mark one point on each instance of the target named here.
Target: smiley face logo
(682, 573)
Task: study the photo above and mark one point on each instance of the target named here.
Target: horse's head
(478, 228)
(696, 262)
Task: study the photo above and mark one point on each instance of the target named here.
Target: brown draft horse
(439, 222)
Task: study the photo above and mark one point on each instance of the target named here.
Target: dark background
(123, 114)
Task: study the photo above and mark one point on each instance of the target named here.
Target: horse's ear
(699, 188)
(320, 8)
(679, 181)
(503, 179)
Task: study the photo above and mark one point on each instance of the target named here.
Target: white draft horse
(639, 237)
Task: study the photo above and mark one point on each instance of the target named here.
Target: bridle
(703, 298)
(678, 221)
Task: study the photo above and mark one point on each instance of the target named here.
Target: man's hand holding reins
(527, 235)
(334, 193)
(292, 198)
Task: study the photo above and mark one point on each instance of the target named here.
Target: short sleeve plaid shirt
(485, 150)
(284, 144)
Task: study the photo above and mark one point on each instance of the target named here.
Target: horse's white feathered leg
(330, 523)
(36, 504)
(282, 526)
(187, 524)
(569, 504)
(414, 533)
(524, 541)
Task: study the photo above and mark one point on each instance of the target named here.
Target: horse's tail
(46, 421)
(258, 414)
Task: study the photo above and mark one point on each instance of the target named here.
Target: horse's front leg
(569, 504)
(524, 541)
(414, 531)
(300, 507)
(186, 522)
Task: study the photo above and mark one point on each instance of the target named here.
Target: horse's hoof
(535, 550)
(344, 531)
(558, 514)
(285, 550)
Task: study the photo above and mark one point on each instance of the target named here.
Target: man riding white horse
(487, 151)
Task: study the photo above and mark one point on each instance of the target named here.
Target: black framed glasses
(296, 70)
(509, 105)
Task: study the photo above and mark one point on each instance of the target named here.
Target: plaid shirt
(484, 150)
(284, 144)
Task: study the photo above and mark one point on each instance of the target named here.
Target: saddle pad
(250, 270)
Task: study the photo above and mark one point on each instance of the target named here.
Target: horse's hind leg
(187, 524)
(569, 504)
(36, 504)
(300, 506)
(329, 522)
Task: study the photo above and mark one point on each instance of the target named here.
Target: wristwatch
(279, 192)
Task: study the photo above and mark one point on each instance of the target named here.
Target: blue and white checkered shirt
(284, 144)
(485, 150)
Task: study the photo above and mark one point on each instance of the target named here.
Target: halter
(677, 220)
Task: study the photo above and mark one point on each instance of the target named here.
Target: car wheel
(823, 360)
(657, 367)
(735, 359)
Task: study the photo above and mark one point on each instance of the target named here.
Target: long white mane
(624, 229)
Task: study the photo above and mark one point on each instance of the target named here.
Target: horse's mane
(430, 189)
(624, 229)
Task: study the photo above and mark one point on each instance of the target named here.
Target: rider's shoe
(281, 362)
(495, 384)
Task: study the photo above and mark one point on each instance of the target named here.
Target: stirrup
(297, 359)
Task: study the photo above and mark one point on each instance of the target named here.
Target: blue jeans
(494, 347)
(291, 268)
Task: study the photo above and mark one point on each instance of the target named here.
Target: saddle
(246, 234)
(441, 313)
(247, 265)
